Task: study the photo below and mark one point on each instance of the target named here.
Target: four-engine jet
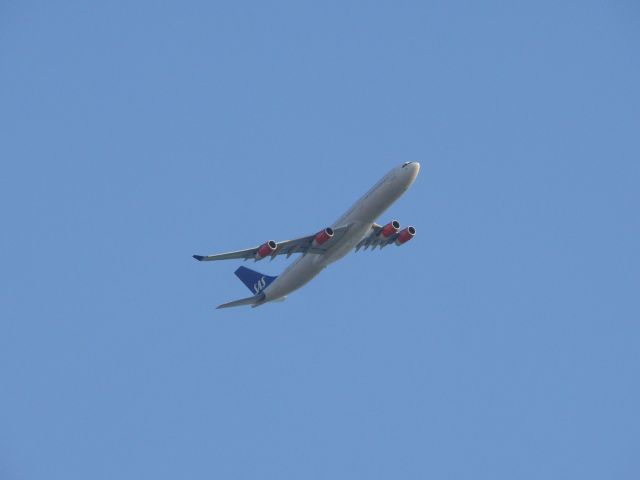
(355, 229)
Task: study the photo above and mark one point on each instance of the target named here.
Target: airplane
(355, 229)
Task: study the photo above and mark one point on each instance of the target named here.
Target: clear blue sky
(502, 343)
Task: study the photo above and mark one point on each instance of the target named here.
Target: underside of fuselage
(359, 220)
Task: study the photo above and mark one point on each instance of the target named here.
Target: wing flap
(374, 239)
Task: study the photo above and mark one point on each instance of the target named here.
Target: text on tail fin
(254, 281)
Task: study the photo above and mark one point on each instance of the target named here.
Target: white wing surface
(302, 245)
(376, 239)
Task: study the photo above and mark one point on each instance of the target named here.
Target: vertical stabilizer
(255, 281)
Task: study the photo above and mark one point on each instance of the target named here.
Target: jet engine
(266, 249)
(405, 235)
(323, 236)
(390, 228)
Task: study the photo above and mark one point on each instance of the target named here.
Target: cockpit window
(405, 164)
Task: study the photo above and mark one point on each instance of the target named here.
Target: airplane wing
(302, 245)
(376, 239)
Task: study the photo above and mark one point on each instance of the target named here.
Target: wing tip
(198, 257)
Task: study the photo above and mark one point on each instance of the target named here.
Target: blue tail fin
(256, 282)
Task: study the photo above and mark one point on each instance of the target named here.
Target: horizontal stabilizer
(253, 301)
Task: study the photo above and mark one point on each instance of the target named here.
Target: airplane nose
(409, 170)
(413, 169)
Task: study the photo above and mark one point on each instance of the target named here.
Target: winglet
(198, 257)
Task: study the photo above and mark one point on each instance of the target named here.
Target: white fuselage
(360, 218)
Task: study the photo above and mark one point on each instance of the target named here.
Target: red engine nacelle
(390, 228)
(323, 236)
(266, 249)
(405, 235)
